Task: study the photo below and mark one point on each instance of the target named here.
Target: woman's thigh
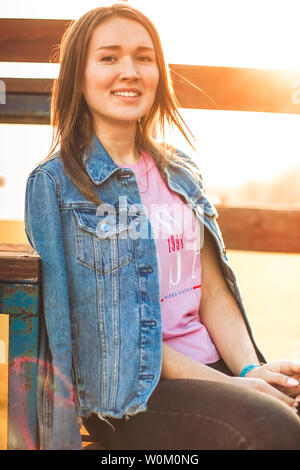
(202, 415)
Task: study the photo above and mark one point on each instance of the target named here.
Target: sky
(232, 147)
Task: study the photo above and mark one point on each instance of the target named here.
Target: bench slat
(260, 229)
(224, 88)
(243, 228)
(29, 40)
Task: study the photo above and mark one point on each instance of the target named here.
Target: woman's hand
(260, 385)
(282, 374)
(279, 379)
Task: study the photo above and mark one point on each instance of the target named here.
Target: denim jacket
(101, 344)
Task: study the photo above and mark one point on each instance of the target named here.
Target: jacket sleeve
(58, 417)
(191, 164)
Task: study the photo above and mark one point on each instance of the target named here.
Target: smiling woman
(151, 333)
(120, 88)
(84, 100)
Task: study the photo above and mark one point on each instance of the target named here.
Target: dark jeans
(185, 414)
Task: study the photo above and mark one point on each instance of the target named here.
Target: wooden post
(20, 303)
(4, 335)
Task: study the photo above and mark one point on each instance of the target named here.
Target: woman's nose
(129, 70)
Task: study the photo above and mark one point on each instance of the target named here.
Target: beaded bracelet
(247, 369)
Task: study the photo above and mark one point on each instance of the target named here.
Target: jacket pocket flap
(105, 224)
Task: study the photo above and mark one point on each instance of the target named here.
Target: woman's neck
(119, 142)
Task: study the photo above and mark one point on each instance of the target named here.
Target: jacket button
(145, 270)
(147, 323)
(124, 175)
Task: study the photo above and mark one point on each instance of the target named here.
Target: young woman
(146, 339)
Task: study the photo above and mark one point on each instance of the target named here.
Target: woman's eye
(145, 59)
(108, 58)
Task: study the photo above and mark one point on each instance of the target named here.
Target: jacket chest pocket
(103, 242)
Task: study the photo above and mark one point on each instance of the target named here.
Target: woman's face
(121, 74)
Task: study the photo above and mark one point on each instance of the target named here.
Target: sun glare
(232, 147)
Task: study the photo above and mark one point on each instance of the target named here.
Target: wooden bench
(20, 300)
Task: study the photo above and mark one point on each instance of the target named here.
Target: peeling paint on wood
(21, 302)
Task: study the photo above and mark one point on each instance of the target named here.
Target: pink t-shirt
(177, 236)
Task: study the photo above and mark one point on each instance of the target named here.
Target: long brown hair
(70, 117)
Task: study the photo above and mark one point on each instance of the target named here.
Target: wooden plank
(29, 40)
(260, 229)
(25, 109)
(196, 87)
(28, 85)
(19, 266)
(236, 89)
(4, 341)
(243, 228)
(16, 247)
(223, 88)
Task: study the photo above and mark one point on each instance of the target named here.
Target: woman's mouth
(127, 96)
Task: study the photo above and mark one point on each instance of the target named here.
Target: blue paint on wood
(21, 302)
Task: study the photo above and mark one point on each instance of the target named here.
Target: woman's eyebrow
(140, 48)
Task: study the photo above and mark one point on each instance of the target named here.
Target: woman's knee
(281, 429)
(253, 419)
(271, 425)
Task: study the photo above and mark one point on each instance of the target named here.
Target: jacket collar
(98, 163)
(101, 166)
